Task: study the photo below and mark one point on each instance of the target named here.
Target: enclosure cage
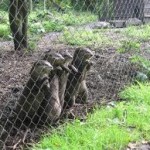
(65, 41)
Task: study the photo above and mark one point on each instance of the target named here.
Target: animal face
(55, 59)
(41, 67)
(67, 56)
(84, 53)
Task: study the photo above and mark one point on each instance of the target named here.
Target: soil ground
(110, 73)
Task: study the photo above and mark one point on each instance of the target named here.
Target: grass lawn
(139, 33)
(43, 22)
(85, 37)
(109, 128)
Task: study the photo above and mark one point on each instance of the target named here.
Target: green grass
(55, 21)
(77, 18)
(3, 16)
(128, 46)
(4, 27)
(138, 94)
(85, 37)
(4, 31)
(108, 128)
(41, 22)
(140, 33)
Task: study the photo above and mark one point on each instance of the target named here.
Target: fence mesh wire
(58, 59)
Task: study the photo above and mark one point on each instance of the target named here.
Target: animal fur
(81, 62)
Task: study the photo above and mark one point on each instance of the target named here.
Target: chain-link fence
(58, 59)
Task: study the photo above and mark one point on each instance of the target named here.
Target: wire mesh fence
(58, 59)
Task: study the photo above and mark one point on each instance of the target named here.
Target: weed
(4, 31)
(53, 26)
(3, 17)
(37, 28)
(137, 93)
(42, 22)
(78, 18)
(144, 65)
(129, 46)
(56, 21)
(138, 33)
(143, 62)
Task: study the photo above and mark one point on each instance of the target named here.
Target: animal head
(41, 67)
(54, 58)
(83, 54)
(67, 56)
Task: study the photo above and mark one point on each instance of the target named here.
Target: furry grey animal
(34, 92)
(54, 58)
(51, 106)
(82, 95)
(63, 75)
(81, 62)
(29, 102)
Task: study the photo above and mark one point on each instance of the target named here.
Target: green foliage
(70, 18)
(140, 33)
(4, 5)
(53, 26)
(43, 22)
(77, 18)
(4, 27)
(129, 46)
(37, 28)
(108, 127)
(3, 17)
(144, 65)
(138, 94)
(84, 37)
(4, 31)
(143, 62)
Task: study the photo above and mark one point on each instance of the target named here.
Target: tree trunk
(18, 19)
